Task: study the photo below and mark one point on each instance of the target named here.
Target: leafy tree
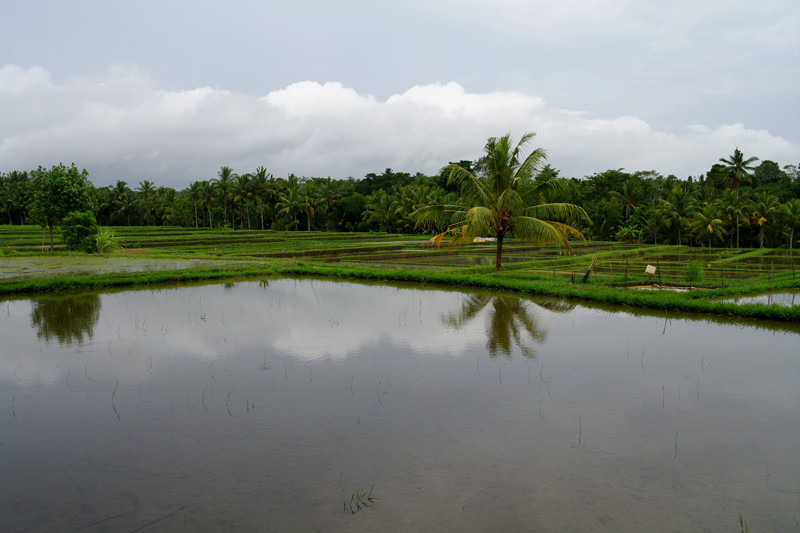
(59, 191)
(503, 200)
(78, 231)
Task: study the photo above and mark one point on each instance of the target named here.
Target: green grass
(205, 255)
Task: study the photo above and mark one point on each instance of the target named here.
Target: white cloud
(122, 125)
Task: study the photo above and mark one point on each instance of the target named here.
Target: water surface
(268, 405)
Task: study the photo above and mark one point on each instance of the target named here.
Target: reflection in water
(213, 408)
(509, 319)
(65, 318)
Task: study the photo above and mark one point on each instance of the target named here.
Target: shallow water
(267, 405)
(784, 298)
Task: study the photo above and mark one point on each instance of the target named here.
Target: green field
(151, 255)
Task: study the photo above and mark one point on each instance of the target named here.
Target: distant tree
(58, 192)
(791, 214)
(733, 208)
(738, 169)
(707, 225)
(677, 209)
(224, 183)
(764, 208)
(768, 173)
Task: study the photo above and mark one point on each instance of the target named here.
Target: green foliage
(78, 231)
(106, 240)
(503, 200)
(694, 272)
(58, 192)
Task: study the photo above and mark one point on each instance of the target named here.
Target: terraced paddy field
(151, 253)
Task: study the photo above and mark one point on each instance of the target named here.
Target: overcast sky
(170, 90)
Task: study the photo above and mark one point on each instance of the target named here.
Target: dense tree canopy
(755, 207)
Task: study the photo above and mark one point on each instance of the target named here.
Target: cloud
(122, 125)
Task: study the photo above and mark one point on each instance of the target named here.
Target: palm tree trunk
(499, 253)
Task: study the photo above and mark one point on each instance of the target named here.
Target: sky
(171, 90)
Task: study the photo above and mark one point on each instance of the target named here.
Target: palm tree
(791, 213)
(677, 209)
(733, 208)
(146, 199)
(382, 208)
(124, 200)
(259, 185)
(207, 199)
(509, 318)
(738, 169)
(705, 222)
(292, 201)
(763, 209)
(195, 194)
(223, 183)
(503, 200)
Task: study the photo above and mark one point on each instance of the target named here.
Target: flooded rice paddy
(303, 405)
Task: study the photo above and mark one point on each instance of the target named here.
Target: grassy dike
(669, 301)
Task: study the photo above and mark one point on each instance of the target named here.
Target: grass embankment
(386, 258)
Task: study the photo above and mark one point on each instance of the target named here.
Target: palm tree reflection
(509, 321)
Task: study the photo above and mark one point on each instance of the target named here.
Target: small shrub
(106, 240)
(78, 231)
(694, 273)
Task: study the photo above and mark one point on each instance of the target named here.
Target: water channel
(307, 405)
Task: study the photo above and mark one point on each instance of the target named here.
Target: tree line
(739, 202)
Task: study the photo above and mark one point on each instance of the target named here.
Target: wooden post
(586, 276)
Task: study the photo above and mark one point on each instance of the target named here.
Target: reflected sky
(235, 405)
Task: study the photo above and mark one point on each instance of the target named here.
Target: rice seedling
(228, 406)
(359, 500)
(209, 369)
(12, 408)
(113, 400)
(743, 524)
(676, 444)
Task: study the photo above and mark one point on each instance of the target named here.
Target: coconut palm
(738, 169)
(195, 195)
(733, 208)
(677, 209)
(259, 185)
(706, 224)
(224, 183)
(503, 200)
(764, 208)
(292, 201)
(509, 318)
(382, 208)
(791, 214)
